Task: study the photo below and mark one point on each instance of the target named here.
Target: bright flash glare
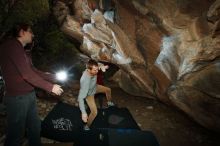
(61, 75)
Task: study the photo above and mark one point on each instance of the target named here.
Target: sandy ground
(170, 126)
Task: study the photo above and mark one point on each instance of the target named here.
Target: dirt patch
(170, 126)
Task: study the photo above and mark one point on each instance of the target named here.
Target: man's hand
(57, 89)
(85, 118)
(104, 67)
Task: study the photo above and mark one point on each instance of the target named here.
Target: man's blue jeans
(22, 117)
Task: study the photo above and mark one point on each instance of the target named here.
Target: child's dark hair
(91, 63)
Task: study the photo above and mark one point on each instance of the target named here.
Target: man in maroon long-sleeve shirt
(20, 80)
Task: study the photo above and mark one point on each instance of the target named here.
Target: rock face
(166, 49)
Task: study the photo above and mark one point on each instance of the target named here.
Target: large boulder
(167, 50)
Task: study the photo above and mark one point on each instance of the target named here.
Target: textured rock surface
(165, 49)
